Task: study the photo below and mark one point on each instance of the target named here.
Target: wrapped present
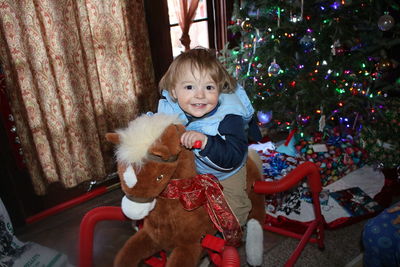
(334, 154)
(356, 202)
(275, 166)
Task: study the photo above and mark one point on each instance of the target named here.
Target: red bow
(204, 189)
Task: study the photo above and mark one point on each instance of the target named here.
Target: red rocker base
(219, 254)
(311, 171)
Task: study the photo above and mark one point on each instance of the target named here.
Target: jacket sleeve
(228, 149)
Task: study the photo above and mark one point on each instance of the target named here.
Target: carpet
(341, 247)
(15, 253)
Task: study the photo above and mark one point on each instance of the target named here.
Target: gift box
(276, 165)
(356, 202)
(334, 154)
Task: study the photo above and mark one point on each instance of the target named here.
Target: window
(162, 19)
(199, 30)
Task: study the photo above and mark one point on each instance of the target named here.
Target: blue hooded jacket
(236, 103)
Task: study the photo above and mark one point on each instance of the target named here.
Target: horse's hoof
(254, 243)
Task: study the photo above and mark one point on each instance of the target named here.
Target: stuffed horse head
(148, 154)
(159, 179)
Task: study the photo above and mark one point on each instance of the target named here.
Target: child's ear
(173, 93)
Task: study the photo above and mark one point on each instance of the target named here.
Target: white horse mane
(140, 134)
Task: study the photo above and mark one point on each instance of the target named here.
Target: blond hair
(203, 60)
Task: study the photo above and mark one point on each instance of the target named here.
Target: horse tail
(253, 155)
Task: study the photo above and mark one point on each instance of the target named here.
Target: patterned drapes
(75, 70)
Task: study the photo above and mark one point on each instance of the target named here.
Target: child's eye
(210, 87)
(188, 87)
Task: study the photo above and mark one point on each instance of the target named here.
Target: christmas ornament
(253, 11)
(303, 120)
(385, 22)
(294, 18)
(264, 117)
(246, 25)
(322, 123)
(274, 69)
(384, 65)
(338, 49)
(307, 42)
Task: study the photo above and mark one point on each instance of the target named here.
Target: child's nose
(199, 93)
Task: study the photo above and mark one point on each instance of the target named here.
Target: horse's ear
(161, 151)
(169, 143)
(112, 138)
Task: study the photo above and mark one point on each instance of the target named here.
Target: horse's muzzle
(140, 199)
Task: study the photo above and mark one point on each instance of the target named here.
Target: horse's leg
(140, 246)
(254, 239)
(185, 256)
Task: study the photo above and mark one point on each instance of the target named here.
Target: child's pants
(236, 196)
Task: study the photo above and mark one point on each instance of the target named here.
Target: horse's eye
(159, 178)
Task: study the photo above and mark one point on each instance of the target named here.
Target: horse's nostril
(159, 178)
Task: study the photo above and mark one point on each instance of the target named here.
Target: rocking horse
(178, 206)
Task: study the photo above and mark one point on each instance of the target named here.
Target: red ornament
(340, 50)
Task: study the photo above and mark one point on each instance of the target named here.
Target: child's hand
(189, 137)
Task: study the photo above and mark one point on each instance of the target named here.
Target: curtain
(187, 11)
(75, 70)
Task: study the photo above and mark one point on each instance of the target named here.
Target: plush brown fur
(168, 226)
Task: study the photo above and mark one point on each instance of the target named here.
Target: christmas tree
(380, 136)
(311, 65)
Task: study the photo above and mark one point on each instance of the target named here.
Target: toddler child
(218, 113)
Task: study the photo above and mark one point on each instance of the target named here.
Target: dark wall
(160, 40)
(8, 185)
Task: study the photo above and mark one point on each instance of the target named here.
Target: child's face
(196, 92)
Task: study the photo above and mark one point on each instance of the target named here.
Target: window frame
(210, 23)
(219, 13)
